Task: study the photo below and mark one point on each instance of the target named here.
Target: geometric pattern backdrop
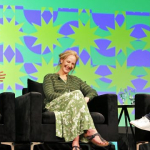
(114, 48)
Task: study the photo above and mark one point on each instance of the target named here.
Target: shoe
(76, 148)
(90, 138)
(143, 123)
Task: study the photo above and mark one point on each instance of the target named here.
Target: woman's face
(68, 64)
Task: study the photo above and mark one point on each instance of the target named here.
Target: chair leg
(87, 145)
(33, 144)
(140, 143)
(9, 143)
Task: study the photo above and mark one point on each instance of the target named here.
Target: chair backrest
(1, 112)
(7, 117)
(34, 86)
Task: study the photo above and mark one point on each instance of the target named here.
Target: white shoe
(142, 123)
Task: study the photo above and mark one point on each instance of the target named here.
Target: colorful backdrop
(112, 40)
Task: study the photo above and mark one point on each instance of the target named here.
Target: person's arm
(48, 89)
(2, 76)
(87, 91)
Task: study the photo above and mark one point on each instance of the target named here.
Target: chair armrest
(142, 105)
(7, 109)
(105, 104)
(28, 111)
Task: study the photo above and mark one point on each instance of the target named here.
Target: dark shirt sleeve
(48, 89)
(87, 90)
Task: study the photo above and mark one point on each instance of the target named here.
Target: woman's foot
(95, 138)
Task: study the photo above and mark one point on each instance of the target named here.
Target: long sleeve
(48, 88)
(83, 87)
(89, 92)
(54, 87)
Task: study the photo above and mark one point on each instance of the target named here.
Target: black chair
(8, 124)
(7, 119)
(142, 107)
(38, 125)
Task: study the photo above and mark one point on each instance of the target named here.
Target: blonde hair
(67, 53)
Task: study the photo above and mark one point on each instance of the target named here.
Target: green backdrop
(111, 37)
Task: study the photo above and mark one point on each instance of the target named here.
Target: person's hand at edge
(2, 76)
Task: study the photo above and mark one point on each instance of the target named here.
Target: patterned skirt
(72, 115)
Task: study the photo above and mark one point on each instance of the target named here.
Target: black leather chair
(38, 125)
(7, 119)
(142, 107)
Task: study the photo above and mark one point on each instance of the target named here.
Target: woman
(68, 96)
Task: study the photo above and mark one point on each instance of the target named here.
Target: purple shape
(29, 41)
(33, 16)
(53, 47)
(120, 19)
(139, 85)
(19, 57)
(47, 50)
(9, 88)
(18, 7)
(105, 92)
(138, 32)
(33, 78)
(9, 7)
(139, 58)
(30, 68)
(84, 56)
(9, 19)
(133, 112)
(103, 71)
(47, 16)
(19, 87)
(106, 80)
(137, 13)
(1, 86)
(104, 20)
(103, 44)
(1, 53)
(66, 28)
(9, 53)
(1, 20)
(1, 6)
(83, 11)
(68, 9)
(55, 13)
(74, 49)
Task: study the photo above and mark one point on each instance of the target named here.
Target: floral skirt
(72, 115)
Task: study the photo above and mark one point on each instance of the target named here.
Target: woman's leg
(73, 117)
(96, 139)
(75, 143)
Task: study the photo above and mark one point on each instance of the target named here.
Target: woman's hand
(86, 99)
(2, 76)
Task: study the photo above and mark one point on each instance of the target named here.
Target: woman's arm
(87, 91)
